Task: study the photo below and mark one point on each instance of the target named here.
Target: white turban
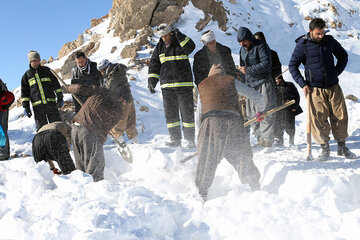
(207, 37)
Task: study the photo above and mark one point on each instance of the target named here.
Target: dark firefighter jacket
(171, 65)
(39, 86)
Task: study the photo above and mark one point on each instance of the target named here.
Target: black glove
(27, 112)
(151, 89)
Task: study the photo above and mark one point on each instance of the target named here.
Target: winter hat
(32, 55)
(207, 36)
(216, 69)
(103, 64)
(163, 29)
(244, 34)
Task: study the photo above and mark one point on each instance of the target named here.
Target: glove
(27, 112)
(151, 89)
(60, 103)
(259, 116)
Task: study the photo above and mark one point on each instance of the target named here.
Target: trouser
(88, 152)
(5, 150)
(264, 129)
(285, 120)
(127, 122)
(46, 113)
(223, 137)
(328, 103)
(52, 145)
(175, 100)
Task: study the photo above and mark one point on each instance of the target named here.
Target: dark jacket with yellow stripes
(171, 64)
(40, 87)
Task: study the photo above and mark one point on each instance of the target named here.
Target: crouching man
(98, 115)
(52, 143)
(115, 80)
(222, 134)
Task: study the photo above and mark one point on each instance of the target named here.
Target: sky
(41, 25)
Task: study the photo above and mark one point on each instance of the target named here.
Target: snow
(156, 197)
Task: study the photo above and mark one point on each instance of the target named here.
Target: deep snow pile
(156, 198)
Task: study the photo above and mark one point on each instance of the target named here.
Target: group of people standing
(259, 79)
(104, 104)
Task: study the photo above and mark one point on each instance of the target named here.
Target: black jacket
(40, 87)
(318, 59)
(171, 65)
(91, 76)
(201, 66)
(286, 92)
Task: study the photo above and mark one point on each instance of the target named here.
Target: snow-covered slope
(156, 198)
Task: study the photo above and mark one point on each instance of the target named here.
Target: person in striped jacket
(40, 87)
(170, 65)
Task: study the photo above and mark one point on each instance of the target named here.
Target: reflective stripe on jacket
(171, 64)
(39, 86)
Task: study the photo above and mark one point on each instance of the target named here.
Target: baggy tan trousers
(328, 104)
(223, 137)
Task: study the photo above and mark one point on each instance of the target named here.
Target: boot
(344, 151)
(190, 144)
(291, 141)
(325, 153)
(278, 142)
(174, 144)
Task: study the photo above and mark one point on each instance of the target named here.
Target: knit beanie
(216, 69)
(244, 34)
(32, 55)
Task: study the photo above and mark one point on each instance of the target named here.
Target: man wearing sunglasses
(170, 65)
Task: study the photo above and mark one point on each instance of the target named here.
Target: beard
(316, 39)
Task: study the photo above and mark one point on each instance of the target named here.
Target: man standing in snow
(40, 86)
(6, 99)
(170, 64)
(212, 53)
(222, 134)
(285, 119)
(98, 115)
(255, 64)
(52, 143)
(115, 80)
(316, 52)
(85, 73)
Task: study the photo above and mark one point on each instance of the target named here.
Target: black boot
(174, 144)
(325, 153)
(344, 151)
(291, 140)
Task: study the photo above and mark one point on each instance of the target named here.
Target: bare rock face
(70, 46)
(113, 49)
(167, 11)
(51, 59)
(129, 15)
(130, 51)
(213, 8)
(97, 21)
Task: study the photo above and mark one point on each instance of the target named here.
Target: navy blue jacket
(318, 59)
(258, 63)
